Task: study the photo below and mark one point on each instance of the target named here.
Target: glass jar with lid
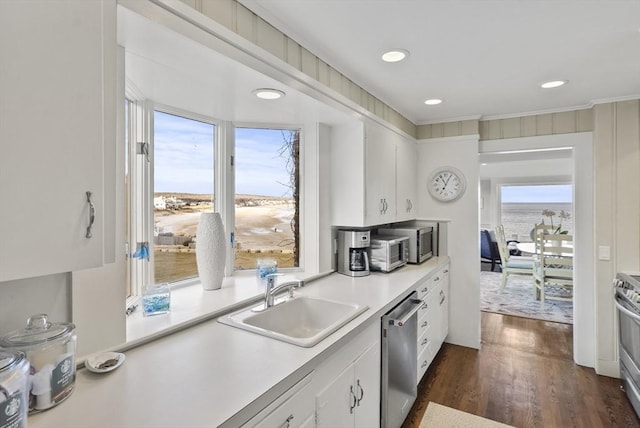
(51, 351)
(14, 388)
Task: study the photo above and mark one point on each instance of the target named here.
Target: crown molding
(449, 120)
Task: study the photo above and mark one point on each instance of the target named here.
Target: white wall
(463, 242)
(22, 298)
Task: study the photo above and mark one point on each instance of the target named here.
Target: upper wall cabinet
(57, 113)
(373, 175)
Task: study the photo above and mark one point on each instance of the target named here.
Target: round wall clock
(446, 184)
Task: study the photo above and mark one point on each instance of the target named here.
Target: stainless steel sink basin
(302, 321)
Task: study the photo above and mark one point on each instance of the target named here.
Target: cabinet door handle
(381, 206)
(355, 400)
(92, 215)
(361, 392)
(442, 297)
(287, 422)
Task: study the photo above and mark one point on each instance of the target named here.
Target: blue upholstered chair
(488, 249)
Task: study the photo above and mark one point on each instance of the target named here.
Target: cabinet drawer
(424, 309)
(424, 359)
(423, 289)
(424, 323)
(425, 339)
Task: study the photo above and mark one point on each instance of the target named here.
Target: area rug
(439, 416)
(517, 299)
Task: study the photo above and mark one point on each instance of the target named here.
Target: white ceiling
(484, 58)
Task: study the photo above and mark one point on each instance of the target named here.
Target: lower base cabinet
(343, 391)
(353, 398)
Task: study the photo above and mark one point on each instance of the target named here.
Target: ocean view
(519, 218)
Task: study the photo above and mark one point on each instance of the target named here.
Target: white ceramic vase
(211, 251)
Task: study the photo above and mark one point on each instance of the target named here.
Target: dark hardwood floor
(523, 375)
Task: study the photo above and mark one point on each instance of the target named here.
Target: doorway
(578, 153)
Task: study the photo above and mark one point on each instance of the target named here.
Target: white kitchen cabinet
(433, 318)
(293, 409)
(373, 175)
(57, 113)
(380, 175)
(352, 399)
(406, 184)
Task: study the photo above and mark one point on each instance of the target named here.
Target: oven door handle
(402, 321)
(627, 311)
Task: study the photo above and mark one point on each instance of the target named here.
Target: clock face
(447, 184)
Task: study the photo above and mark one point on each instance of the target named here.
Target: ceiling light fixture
(268, 93)
(433, 101)
(395, 55)
(553, 84)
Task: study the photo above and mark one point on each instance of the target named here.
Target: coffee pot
(353, 259)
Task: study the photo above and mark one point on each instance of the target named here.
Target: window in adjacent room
(524, 206)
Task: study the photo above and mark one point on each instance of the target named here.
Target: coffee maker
(353, 259)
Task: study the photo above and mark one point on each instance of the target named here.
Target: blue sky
(541, 193)
(183, 158)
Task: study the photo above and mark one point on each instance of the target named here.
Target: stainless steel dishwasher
(399, 361)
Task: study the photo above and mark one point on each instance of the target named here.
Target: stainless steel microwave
(421, 240)
(388, 252)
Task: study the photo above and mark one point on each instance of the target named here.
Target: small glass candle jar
(264, 267)
(156, 300)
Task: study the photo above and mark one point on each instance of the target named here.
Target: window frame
(140, 192)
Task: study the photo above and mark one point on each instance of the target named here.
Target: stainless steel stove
(627, 299)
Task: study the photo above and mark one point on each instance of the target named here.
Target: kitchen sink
(302, 321)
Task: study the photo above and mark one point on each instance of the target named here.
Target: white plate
(93, 362)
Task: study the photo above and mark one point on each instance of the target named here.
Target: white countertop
(213, 374)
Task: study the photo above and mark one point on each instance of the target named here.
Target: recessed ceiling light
(433, 101)
(268, 93)
(395, 55)
(552, 84)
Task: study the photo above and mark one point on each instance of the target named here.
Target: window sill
(192, 304)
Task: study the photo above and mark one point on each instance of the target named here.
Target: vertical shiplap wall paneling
(617, 212)
(537, 125)
(245, 23)
(628, 183)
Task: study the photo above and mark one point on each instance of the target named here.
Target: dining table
(530, 248)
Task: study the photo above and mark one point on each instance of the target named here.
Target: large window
(524, 206)
(266, 196)
(183, 175)
(171, 173)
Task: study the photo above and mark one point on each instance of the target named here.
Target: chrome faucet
(271, 290)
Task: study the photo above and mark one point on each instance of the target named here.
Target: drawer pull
(425, 306)
(424, 341)
(424, 290)
(424, 364)
(425, 323)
